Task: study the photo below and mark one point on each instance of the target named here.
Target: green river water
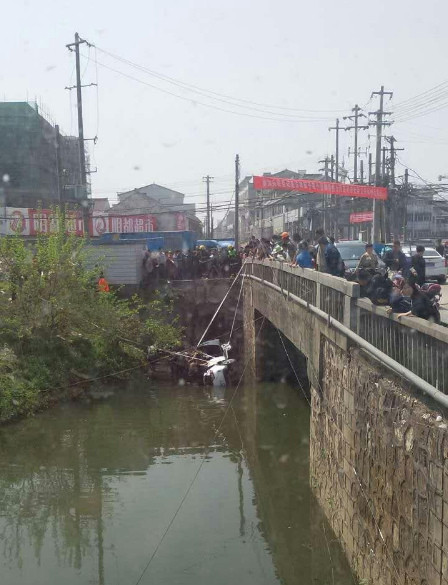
(87, 491)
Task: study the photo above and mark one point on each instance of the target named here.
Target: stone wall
(378, 469)
(196, 302)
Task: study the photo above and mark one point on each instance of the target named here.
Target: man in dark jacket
(395, 259)
(418, 266)
(333, 259)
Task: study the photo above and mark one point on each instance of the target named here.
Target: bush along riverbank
(57, 329)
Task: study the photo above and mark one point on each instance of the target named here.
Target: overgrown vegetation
(56, 328)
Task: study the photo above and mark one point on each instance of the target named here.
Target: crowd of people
(199, 262)
(399, 284)
(396, 282)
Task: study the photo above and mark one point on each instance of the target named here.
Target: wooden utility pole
(379, 123)
(82, 154)
(337, 128)
(237, 201)
(208, 222)
(326, 162)
(356, 127)
(383, 167)
(406, 194)
(58, 165)
(393, 157)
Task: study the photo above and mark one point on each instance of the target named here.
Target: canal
(88, 490)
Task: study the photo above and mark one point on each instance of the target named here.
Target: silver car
(435, 263)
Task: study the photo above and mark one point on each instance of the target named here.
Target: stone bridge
(378, 395)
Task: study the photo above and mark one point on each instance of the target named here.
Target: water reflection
(86, 492)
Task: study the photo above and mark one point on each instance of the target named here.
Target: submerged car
(217, 367)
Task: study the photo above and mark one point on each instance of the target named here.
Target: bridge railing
(418, 345)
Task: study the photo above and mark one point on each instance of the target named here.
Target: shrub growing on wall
(56, 327)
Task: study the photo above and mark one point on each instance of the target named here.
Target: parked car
(351, 251)
(435, 263)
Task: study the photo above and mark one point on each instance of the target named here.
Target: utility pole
(356, 127)
(383, 166)
(237, 201)
(370, 169)
(379, 123)
(361, 172)
(326, 162)
(82, 154)
(393, 157)
(406, 193)
(337, 128)
(58, 164)
(392, 205)
(208, 222)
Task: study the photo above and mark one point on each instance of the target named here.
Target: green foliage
(55, 326)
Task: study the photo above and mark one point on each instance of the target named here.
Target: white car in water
(435, 263)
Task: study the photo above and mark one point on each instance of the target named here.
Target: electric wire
(203, 91)
(214, 107)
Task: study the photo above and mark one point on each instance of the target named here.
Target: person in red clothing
(103, 285)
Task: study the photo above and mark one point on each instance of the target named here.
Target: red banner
(322, 187)
(361, 217)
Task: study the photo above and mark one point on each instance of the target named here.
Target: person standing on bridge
(395, 260)
(321, 262)
(369, 260)
(303, 258)
(333, 259)
(418, 266)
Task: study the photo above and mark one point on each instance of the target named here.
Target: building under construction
(38, 165)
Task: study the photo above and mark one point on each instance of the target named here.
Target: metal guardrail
(413, 344)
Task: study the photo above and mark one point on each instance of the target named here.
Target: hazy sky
(321, 57)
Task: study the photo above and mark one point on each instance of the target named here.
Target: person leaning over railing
(407, 300)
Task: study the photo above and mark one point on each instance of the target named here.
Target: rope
(221, 304)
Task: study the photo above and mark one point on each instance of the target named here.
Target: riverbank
(59, 331)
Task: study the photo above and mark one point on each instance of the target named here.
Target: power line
(203, 91)
(424, 93)
(214, 107)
